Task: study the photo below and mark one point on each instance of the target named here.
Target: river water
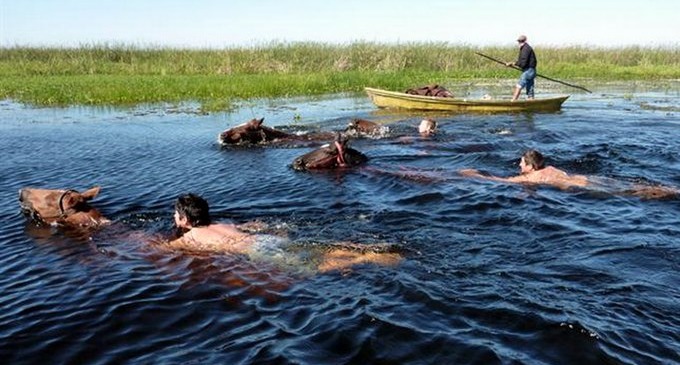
(493, 273)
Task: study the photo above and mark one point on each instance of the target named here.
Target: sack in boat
(431, 90)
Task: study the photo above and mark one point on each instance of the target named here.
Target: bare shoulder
(221, 229)
(219, 237)
(552, 172)
(553, 176)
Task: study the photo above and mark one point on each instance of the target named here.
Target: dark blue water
(493, 273)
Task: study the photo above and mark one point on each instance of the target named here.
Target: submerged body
(533, 171)
(331, 156)
(550, 175)
(365, 128)
(216, 237)
(202, 235)
(253, 132)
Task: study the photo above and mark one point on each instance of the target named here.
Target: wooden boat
(393, 99)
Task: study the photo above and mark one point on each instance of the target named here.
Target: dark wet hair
(194, 208)
(534, 159)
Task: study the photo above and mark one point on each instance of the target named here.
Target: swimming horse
(335, 155)
(254, 132)
(66, 207)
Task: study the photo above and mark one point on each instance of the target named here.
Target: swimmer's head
(191, 210)
(427, 127)
(531, 160)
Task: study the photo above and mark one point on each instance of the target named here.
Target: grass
(127, 75)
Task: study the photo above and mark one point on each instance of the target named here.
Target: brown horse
(331, 156)
(61, 207)
(253, 132)
(359, 127)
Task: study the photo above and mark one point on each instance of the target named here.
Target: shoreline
(211, 97)
(127, 76)
(291, 103)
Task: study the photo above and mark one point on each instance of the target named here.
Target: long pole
(539, 75)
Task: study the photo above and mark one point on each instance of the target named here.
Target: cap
(522, 38)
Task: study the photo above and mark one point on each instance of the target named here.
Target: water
(493, 273)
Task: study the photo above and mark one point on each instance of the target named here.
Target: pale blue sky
(218, 24)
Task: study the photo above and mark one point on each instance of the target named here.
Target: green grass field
(128, 75)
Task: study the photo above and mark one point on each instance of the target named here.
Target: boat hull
(397, 100)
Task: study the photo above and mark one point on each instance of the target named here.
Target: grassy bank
(120, 75)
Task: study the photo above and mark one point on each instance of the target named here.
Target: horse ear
(90, 193)
(260, 121)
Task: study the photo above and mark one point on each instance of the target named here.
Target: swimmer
(533, 171)
(192, 215)
(427, 127)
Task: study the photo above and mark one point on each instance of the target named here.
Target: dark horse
(365, 128)
(253, 132)
(330, 156)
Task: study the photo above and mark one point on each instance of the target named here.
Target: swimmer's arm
(176, 243)
(477, 174)
(184, 242)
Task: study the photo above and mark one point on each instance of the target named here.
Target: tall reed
(128, 74)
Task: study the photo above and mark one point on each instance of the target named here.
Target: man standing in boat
(526, 61)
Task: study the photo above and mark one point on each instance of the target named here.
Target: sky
(235, 23)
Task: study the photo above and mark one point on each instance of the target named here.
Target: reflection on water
(493, 273)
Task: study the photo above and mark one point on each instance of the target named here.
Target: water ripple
(492, 272)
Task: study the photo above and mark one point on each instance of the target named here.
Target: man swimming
(427, 127)
(192, 215)
(533, 171)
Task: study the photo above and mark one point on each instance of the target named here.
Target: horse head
(252, 132)
(61, 207)
(331, 156)
(360, 127)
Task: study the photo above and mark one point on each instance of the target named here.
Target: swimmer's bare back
(218, 237)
